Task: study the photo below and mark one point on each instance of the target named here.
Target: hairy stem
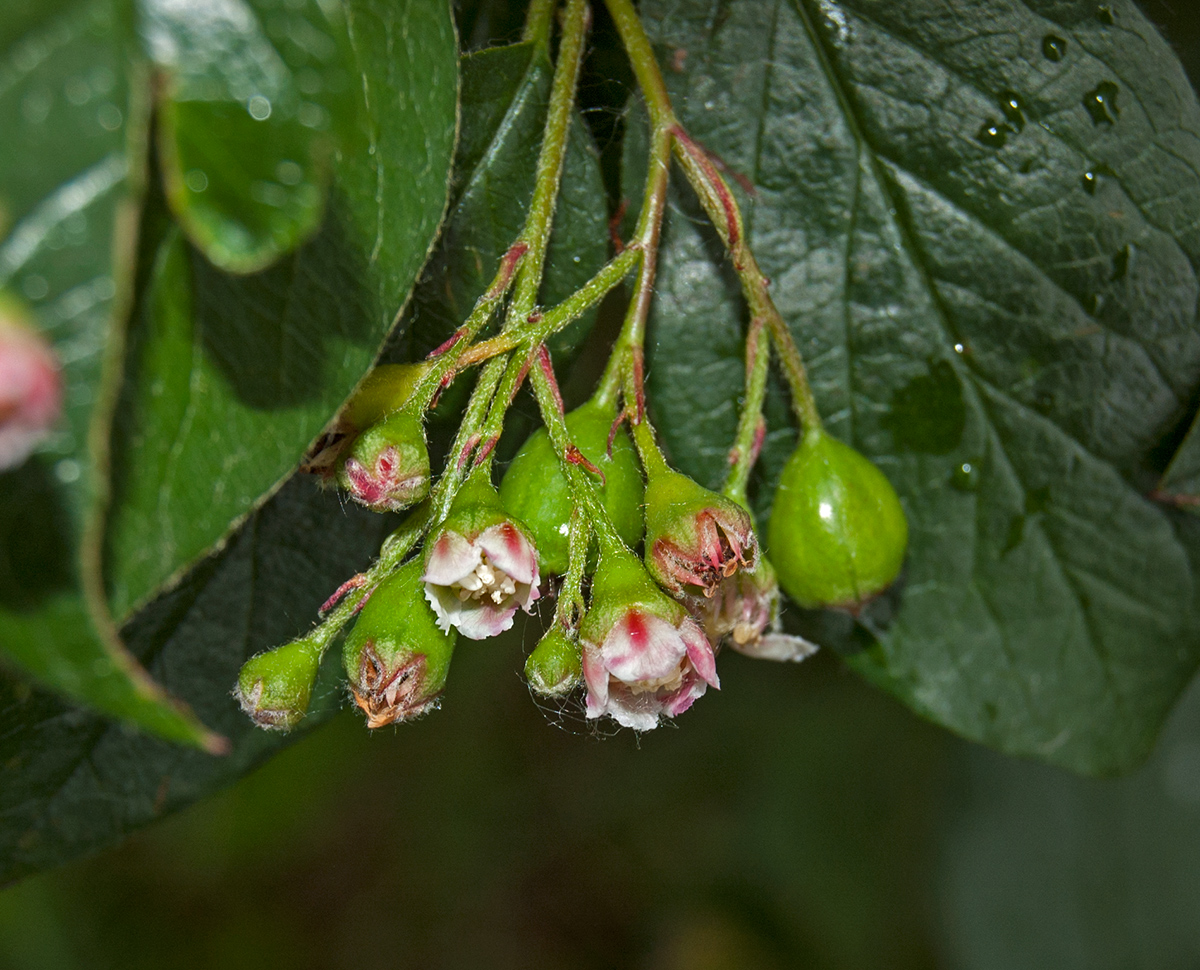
(568, 612)
(747, 442)
(536, 233)
(718, 201)
(573, 307)
(722, 208)
(539, 18)
(533, 241)
(398, 545)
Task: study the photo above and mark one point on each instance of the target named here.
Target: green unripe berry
(396, 658)
(554, 667)
(274, 688)
(387, 468)
(837, 534)
(383, 391)
(535, 490)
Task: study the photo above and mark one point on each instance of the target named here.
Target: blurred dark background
(798, 818)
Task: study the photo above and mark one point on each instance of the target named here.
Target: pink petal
(474, 619)
(685, 697)
(451, 559)
(445, 605)
(507, 548)
(642, 646)
(30, 392)
(596, 678)
(700, 652)
(526, 601)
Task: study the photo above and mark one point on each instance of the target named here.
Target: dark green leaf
(1181, 481)
(980, 221)
(255, 365)
(504, 98)
(64, 101)
(71, 782)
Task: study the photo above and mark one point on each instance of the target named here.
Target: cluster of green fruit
(640, 634)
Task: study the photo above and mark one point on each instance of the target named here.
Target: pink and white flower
(30, 390)
(476, 584)
(646, 668)
(743, 613)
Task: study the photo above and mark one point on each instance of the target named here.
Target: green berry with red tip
(275, 688)
(535, 489)
(554, 668)
(695, 538)
(643, 657)
(396, 658)
(387, 467)
(837, 534)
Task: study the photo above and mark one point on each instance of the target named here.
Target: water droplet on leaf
(1101, 103)
(1054, 48)
(1014, 109)
(1122, 262)
(1105, 15)
(35, 287)
(109, 116)
(965, 477)
(1091, 181)
(196, 180)
(259, 108)
(289, 173)
(993, 133)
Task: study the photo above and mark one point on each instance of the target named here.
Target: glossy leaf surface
(980, 222)
(64, 100)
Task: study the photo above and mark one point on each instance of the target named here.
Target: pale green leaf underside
(230, 377)
(64, 101)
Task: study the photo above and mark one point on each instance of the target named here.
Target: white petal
(777, 646)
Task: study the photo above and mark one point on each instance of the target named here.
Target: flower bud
(274, 688)
(535, 490)
(554, 667)
(30, 386)
(482, 565)
(387, 468)
(837, 532)
(396, 658)
(643, 657)
(695, 538)
(744, 614)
